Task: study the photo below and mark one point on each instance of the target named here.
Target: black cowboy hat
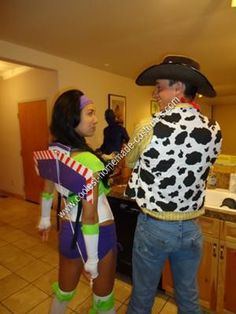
(177, 68)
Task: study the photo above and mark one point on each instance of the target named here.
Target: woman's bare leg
(103, 284)
(69, 275)
(69, 272)
(103, 298)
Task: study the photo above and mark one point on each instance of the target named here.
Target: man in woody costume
(168, 183)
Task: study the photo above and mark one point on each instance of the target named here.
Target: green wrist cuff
(73, 199)
(90, 229)
(47, 196)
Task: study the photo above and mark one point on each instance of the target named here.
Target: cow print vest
(170, 175)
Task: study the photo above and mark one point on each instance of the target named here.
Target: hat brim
(177, 72)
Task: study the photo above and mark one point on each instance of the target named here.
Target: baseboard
(4, 194)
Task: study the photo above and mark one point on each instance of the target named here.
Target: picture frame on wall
(154, 106)
(118, 104)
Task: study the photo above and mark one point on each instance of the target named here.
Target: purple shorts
(106, 241)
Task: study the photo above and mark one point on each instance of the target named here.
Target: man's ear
(179, 87)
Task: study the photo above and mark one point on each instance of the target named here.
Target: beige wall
(95, 83)
(206, 109)
(33, 85)
(226, 116)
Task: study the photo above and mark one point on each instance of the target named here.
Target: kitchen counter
(117, 192)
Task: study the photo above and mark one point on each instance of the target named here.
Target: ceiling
(125, 36)
(8, 69)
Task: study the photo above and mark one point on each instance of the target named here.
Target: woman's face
(88, 121)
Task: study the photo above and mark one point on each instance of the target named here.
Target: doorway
(34, 136)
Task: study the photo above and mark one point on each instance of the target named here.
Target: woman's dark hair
(65, 118)
(190, 90)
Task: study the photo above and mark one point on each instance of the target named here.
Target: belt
(170, 216)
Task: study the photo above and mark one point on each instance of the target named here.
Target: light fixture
(9, 70)
(233, 3)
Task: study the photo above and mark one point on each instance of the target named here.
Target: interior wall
(206, 110)
(32, 85)
(225, 115)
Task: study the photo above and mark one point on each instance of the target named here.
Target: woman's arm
(89, 212)
(90, 230)
(46, 205)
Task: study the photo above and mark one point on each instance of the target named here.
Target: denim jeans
(154, 242)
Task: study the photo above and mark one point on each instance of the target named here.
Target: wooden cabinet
(217, 273)
(226, 296)
(207, 275)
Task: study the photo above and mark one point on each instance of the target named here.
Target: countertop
(117, 191)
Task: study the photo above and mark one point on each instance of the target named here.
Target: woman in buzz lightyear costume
(93, 236)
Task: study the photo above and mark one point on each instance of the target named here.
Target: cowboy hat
(177, 68)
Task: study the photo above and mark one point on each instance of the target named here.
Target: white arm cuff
(46, 205)
(91, 266)
(44, 223)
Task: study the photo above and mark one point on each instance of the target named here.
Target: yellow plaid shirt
(140, 146)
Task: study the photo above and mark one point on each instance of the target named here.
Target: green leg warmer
(103, 304)
(62, 296)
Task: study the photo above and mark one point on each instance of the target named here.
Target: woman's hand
(91, 268)
(44, 233)
(87, 275)
(44, 227)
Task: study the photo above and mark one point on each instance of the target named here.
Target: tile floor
(28, 267)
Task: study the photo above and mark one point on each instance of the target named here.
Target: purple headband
(84, 101)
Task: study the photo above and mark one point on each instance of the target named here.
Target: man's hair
(190, 90)
(110, 116)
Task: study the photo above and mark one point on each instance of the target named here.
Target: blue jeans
(154, 242)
